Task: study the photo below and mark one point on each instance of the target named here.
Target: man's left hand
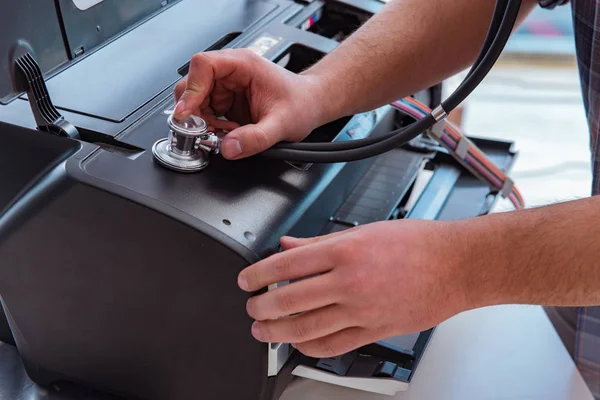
(358, 286)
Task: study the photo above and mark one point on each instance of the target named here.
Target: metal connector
(210, 143)
(439, 113)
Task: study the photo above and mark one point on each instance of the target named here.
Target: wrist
(328, 97)
(483, 262)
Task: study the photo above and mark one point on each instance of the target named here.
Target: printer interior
(133, 260)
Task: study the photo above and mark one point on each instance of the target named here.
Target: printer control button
(385, 369)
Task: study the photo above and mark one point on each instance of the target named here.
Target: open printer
(118, 276)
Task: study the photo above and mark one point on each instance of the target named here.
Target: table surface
(506, 352)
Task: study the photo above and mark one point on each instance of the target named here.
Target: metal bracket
(29, 78)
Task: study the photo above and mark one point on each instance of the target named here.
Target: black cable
(491, 34)
(404, 135)
(499, 13)
(488, 62)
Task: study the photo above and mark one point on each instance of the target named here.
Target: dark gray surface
(86, 29)
(118, 79)
(112, 306)
(16, 385)
(33, 22)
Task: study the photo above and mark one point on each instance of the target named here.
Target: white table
(500, 353)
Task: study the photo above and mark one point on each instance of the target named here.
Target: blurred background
(533, 97)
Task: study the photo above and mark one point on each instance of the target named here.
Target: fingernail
(242, 282)
(231, 148)
(179, 108)
(256, 331)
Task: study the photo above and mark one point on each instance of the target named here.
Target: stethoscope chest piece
(185, 149)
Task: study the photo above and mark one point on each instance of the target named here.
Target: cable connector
(439, 113)
(462, 148)
(437, 130)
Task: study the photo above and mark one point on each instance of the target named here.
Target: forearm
(548, 256)
(408, 46)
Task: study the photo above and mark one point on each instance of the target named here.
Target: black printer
(118, 275)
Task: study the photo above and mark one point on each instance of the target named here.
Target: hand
(263, 102)
(362, 285)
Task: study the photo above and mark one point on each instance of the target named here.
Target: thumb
(251, 139)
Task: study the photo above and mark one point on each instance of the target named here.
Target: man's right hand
(264, 103)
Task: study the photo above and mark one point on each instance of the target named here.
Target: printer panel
(28, 25)
(91, 23)
(118, 79)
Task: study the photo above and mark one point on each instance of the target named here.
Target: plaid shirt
(586, 20)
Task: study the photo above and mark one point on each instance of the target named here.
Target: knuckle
(285, 301)
(261, 138)
(248, 54)
(326, 349)
(192, 87)
(300, 330)
(283, 267)
(339, 253)
(265, 331)
(356, 281)
(251, 309)
(181, 85)
(362, 315)
(252, 278)
(198, 59)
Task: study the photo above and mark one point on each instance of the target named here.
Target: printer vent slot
(218, 45)
(109, 143)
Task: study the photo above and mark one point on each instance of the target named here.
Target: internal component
(335, 21)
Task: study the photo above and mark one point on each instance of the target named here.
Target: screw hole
(250, 236)
(227, 222)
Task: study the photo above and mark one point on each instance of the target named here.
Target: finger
(286, 266)
(240, 110)
(221, 99)
(289, 243)
(337, 343)
(180, 88)
(252, 139)
(226, 126)
(205, 69)
(306, 295)
(303, 327)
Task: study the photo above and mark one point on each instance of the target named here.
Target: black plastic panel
(86, 29)
(18, 169)
(120, 78)
(34, 23)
